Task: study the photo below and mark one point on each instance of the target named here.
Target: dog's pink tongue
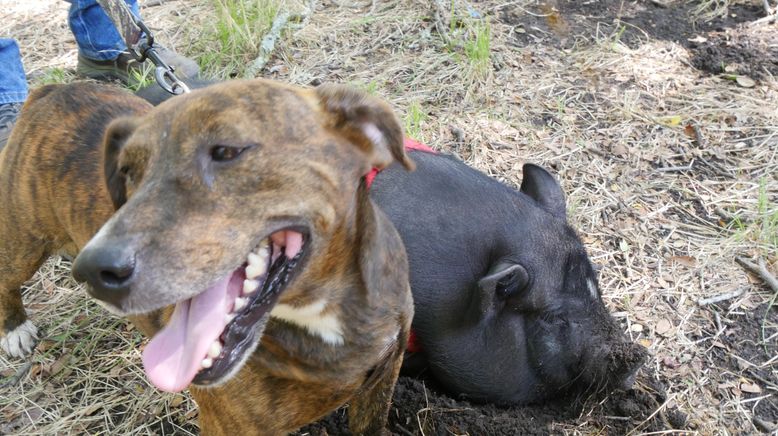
(173, 357)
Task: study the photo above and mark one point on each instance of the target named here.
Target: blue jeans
(96, 36)
(13, 84)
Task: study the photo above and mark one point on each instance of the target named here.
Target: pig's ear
(115, 136)
(367, 122)
(504, 280)
(544, 189)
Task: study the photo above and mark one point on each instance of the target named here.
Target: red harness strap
(410, 144)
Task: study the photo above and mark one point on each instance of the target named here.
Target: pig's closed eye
(512, 283)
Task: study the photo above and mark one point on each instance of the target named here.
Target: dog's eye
(223, 153)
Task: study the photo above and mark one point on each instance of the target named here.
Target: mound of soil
(418, 408)
(740, 50)
(745, 356)
(725, 42)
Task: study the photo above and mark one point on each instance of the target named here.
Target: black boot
(8, 114)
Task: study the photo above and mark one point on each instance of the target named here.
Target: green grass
(235, 38)
(470, 39)
(762, 231)
(477, 45)
(768, 215)
(415, 117)
(53, 76)
(143, 77)
(370, 87)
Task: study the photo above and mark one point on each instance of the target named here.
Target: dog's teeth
(228, 318)
(240, 303)
(256, 259)
(254, 270)
(263, 252)
(250, 286)
(207, 362)
(215, 350)
(260, 258)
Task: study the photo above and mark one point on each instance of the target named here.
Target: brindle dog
(245, 242)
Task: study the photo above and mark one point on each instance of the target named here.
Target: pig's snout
(617, 365)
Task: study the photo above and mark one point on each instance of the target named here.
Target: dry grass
(663, 207)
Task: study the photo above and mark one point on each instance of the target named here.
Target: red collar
(409, 144)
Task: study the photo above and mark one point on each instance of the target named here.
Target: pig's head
(532, 325)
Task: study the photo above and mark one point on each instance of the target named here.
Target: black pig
(507, 304)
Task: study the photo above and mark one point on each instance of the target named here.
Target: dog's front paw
(20, 341)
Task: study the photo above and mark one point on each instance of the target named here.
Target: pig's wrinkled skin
(507, 307)
(507, 304)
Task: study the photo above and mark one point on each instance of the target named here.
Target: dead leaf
(670, 362)
(175, 402)
(698, 39)
(745, 81)
(663, 327)
(31, 415)
(645, 342)
(89, 411)
(636, 328)
(620, 150)
(555, 20)
(751, 388)
(685, 260)
(192, 414)
(671, 121)
(115, 371)
(58, 365)
(45, 345)
(688, 130)
(36, 370)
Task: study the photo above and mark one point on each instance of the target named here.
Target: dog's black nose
(108, 268)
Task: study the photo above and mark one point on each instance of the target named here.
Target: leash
(140, 44)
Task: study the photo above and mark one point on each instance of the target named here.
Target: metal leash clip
(140, 44)
(164, 73)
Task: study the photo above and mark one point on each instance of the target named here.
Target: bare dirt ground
(660, 119)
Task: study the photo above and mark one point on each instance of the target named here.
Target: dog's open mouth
(210, 335)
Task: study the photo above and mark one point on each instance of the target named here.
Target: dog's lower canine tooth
(215, 350)
(207, 362)
(249, 286)
(240, 303)
(228, 318)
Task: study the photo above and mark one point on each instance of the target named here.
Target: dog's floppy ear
(115, 136)
(366, 121)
